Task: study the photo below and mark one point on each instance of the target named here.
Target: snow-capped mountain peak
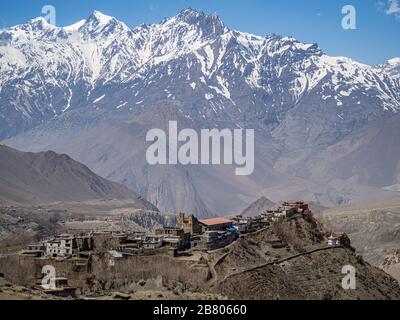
(193, 16)
(39, 22)
(38, 25)
(394, 61)
(99, 24)
(207, 24)
(100, 17)
(391, 67)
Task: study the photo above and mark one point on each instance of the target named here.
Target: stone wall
(98, 275)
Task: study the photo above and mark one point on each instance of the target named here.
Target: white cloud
(394, 7)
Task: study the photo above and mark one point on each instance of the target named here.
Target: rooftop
(215, 221)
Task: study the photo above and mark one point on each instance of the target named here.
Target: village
(189, 236)
(190, 233)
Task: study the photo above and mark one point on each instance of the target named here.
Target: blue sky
(376, 39)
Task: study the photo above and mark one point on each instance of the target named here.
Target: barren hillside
(50, 178)
(374, 229)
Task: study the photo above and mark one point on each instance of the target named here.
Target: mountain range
(326, 127)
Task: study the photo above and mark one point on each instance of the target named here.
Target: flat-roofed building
(63, 246)
(152, 242)
(216, 224)
(174, 237)
(37, 250)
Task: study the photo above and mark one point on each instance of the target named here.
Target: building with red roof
(216, 224)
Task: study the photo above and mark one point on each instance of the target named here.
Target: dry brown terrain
(374, 229)
(59, 182)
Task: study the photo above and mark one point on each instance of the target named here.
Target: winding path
(275, 262)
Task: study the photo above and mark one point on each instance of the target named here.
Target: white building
(62, 247)
(152, 242)
(333, 241)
